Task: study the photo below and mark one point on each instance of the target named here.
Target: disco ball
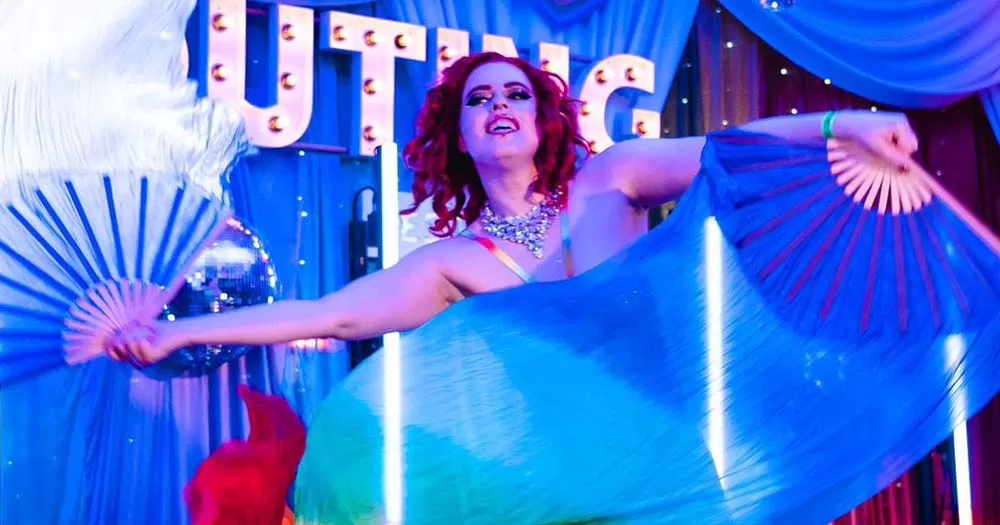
(776, 5)
(235, 271)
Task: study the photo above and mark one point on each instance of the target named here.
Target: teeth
(502, 125)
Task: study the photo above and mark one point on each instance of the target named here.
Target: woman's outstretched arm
(399, 298)
(654, 172)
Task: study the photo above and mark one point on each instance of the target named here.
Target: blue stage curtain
(917, 55)
(104, 444)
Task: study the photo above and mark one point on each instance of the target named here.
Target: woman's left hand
(887, 135)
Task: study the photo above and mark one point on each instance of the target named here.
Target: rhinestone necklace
(527, 230)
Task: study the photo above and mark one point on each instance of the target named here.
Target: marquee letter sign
(379, 43)
(606, 77)
(221, 68)
(222, 24)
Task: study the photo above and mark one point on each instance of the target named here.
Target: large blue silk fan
(82, 257)
(806, 326)
(843, 244)
(879, 285)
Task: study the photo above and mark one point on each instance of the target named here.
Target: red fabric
(984, 460)
(247, 482)
(893, 506)
(898, 504)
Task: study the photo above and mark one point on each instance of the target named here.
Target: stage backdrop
(913, 55)
(301, 200)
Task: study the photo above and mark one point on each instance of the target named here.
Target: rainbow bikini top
(508, 261)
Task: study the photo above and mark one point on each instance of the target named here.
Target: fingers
(133, 346)
(905, 138)
(891, 154)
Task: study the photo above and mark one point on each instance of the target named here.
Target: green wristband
(827, 125)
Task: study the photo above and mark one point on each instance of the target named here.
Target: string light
(784, 71)
(777, 5)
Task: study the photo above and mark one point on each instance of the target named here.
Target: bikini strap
(566, 239)
(499, 254)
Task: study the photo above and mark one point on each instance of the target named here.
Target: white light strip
(954, 347)
(392, 455)
(713, 328)
(963, 475)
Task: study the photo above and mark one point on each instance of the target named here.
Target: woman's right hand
(144, 344)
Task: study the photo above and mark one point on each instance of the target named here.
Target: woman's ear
(461, 145)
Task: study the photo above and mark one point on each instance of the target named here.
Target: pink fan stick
(111, 306)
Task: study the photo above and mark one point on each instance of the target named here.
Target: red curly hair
(446, 175)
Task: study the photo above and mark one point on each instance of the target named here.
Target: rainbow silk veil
(806, 326)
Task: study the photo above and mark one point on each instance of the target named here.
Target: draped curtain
(924, 54)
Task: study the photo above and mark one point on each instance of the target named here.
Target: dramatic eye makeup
(479, 95)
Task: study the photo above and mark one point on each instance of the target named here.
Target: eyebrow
(484, 87)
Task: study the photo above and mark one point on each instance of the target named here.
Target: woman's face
(497, 122)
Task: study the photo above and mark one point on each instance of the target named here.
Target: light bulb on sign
(220, 22)
(220, 72)
(553, 59)
(277, 123)
(372, 86)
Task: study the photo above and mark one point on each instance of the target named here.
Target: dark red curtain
(958, 145)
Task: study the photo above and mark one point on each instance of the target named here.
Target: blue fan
(845, 245)
(82, 257)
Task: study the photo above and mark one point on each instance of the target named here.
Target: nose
(500, 103)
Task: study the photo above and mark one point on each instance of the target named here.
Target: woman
(504, 424)
(500, 138)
